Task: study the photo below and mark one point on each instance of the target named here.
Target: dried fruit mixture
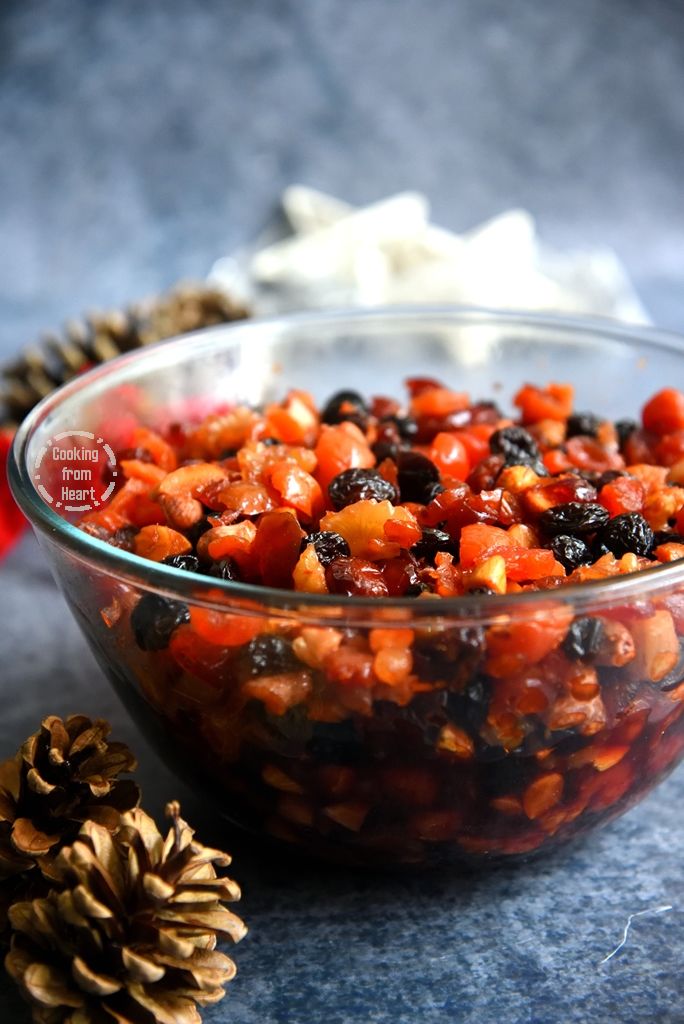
(410, 737)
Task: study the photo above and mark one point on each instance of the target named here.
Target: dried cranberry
(355, 577)
(575, 518)
(358, 485)
(328, 545)
(416, 475)
(628, 533)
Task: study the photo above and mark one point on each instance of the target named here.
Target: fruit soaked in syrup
(497, 729)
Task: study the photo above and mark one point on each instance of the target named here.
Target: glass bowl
(478, 764)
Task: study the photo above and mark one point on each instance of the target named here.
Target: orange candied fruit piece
(542, 794)
(624, 494)
(450, 456)
(158, 542)
(297, 489)
(554, 402)
(339, 447)
(163, 455)
(438, 401)
(373, 529)
(664, 413)
(392, 664)
(308, 574)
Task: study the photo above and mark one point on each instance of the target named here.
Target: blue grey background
(139, 141)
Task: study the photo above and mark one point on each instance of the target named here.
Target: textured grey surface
(515, 946)
(140, 141)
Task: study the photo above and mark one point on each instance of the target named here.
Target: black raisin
(224, 569)
(571, 552)
(574, 517)
(359, 484)
(518, 448)
(193, 533)
(407, 427)
(432, 491)
(346, 405)
(584, 423)
(450, 655)
(417, 476)
(584, 638)
(625, 429)
(154, 619)
(190, 563)
(468, 708)
(667, 537)
(266, 655)
(431, 543)
(628, 532)
(328, 545)
(335, 742)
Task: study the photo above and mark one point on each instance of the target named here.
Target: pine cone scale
(92, 983)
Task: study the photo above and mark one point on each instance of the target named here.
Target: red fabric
(12, 521)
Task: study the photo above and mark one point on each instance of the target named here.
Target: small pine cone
(131, 937)
(63, 775)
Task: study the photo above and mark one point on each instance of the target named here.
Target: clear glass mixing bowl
(475, 767)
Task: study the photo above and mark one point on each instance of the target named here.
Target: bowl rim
(248, 598)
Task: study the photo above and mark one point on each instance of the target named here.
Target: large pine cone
(101, 336)
(63, 775)
(132, 936)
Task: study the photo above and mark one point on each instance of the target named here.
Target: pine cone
(131, 938)
(101, 336)
(63, 775)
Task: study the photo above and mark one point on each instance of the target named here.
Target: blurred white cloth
(390, 253)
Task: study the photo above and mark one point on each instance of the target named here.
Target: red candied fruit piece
(341, 447)
(438, 402)
(587, 453)
(348, 667)
(475, 440)
(554, 402)
(548, 493)
(401, 575)
(479, 541)
(450, 456)
(624, 494)
(355, 577)
(200, 657)
(664, 413)
(276, 548)
(639, 448)
(670, 448)
(298, 489)
(416, 385)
